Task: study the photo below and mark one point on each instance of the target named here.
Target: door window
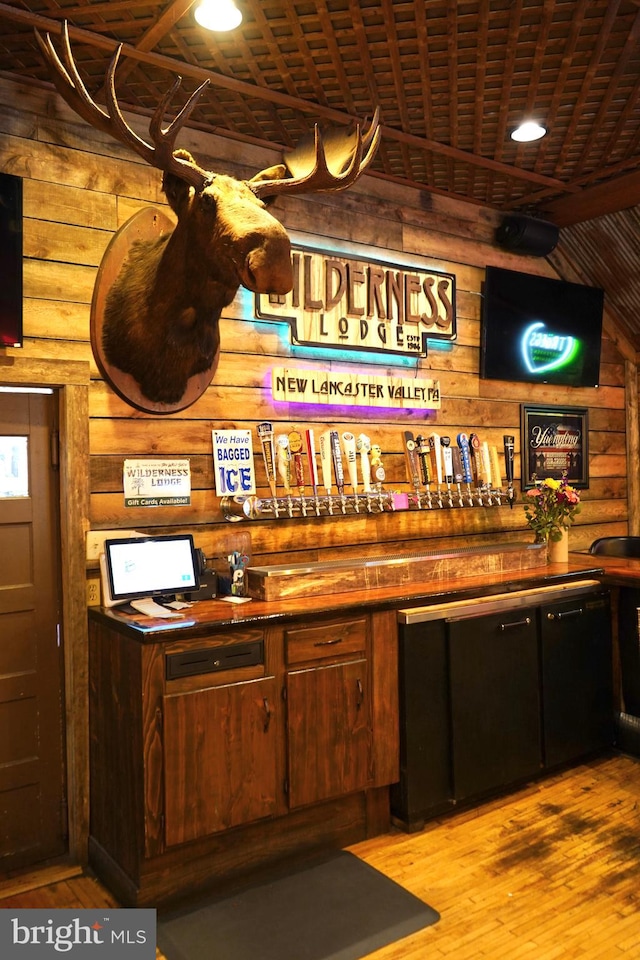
(14, 467)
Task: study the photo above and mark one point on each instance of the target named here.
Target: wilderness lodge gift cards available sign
(353, 304)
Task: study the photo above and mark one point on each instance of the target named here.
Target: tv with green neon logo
(538, 330)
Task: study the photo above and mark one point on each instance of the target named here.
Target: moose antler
(71, 88)
(322, 168)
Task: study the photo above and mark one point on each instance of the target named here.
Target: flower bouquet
(550, 508)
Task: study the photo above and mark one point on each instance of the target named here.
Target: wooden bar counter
(241, 734)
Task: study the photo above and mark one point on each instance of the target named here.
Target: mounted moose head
(161, 313)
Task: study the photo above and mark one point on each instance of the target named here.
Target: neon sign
(342, 303)
(335, 388)
(543, 351)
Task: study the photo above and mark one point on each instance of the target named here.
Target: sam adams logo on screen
(82, 933)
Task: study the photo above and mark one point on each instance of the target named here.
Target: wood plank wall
(79, 187)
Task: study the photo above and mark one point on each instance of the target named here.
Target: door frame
(70, 378)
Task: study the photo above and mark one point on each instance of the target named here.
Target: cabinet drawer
(326, 641)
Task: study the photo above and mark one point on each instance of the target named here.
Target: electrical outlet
(93, 593)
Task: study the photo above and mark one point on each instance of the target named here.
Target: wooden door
(33, 820)
(220, 758)
(329, 732)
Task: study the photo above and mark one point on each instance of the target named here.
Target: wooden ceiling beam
(168, 19)
(609, 197)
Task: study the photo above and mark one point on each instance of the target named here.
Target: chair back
(616, 547)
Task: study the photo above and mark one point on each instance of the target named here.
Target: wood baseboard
(38, 877)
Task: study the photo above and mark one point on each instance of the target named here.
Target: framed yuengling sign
(554, 443)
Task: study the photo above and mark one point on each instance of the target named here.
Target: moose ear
(175, 188)
(277, 172)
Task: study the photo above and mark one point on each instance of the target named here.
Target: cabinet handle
(327, 643)
(565, 613)
(267, 714)
(360, 693)
(516, 623)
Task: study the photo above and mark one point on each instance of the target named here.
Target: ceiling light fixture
(218, 15)
(529, 131)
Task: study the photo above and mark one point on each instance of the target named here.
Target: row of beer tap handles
(466, 473)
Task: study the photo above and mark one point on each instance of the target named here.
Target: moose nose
(268, 267)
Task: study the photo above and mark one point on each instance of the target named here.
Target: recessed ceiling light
(528, 131)
(218, 15)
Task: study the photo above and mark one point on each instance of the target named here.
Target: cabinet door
(328, 731)
(495, 706)
(220, 756)
(424, 788)
(576, 677)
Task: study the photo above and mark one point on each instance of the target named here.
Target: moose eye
(209, 203)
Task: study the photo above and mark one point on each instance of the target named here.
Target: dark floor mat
(334, 908)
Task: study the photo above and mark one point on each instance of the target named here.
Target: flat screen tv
(158, 567)
(10, 261)
(539, 330)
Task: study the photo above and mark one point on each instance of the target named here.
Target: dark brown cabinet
(212, 751)
(220, 758)
(328, 710)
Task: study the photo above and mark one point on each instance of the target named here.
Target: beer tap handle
(485, 461)
(463, 446)
(284, 462)
(447, 459)
(435, 457)
(325, 460)
(476, 462)
(336, 457)
(447, 465)
(295, 446)
(363, 446)
(267, 442)
(349, 449)
(311, 460)
(509, 445)
(458, 474)
(465, 455)
(422, 447)
(496, 472)
(411, 459)
(377, 467)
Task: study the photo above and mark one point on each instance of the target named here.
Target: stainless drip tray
(496, 603)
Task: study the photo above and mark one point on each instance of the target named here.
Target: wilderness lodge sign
(353, 304)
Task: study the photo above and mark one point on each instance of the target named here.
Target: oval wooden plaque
(146, 224)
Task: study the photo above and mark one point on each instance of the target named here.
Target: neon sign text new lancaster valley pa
(347, 304)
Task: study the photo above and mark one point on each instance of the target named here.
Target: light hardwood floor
(551, 872)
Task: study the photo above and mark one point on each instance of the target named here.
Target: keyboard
(152, 609)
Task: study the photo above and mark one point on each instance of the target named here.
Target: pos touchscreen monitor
(158, 567)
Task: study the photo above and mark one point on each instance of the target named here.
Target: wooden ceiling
(451, 79)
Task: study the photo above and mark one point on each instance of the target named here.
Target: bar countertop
(616, 571)
(219, 614)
